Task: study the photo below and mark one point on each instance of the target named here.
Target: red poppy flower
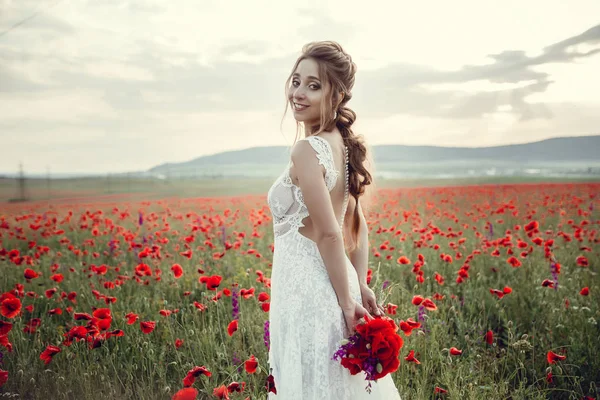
(5, 327)
(266, 306)
(548, 283)
(232, 327)
(251, 364)
(221, 392)
(143, 270)
(263, 296)
(30, 274)
(408, 326)
(236, 387)
(552, 357)
(489, 337)
(177, 271)
(178, 343)
(212, 282)
(391, 309)
(455, 352)
(416, 300)
(514, 262)
(186, 394)
(532, 226)
(147, 326)
(429, 305)
(3, 377)
(270, 384)
(10, 307)
(82, 316)
(403, 260)
(247, 293)
(411, 357)
(193, 374)
(585, 291)
(50, 352)
(582, 261)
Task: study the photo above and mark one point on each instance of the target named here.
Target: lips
(299, 107)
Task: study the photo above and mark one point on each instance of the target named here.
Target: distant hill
(562, 149)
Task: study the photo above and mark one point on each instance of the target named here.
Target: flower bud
(379, 368)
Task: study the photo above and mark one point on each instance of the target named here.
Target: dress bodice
(285, 199)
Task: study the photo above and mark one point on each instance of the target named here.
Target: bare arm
(329, 237)
(360, 255)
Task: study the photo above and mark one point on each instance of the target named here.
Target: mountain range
(560, 149)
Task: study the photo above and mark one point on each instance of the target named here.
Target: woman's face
(306, 93)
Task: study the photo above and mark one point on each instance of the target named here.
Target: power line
(35, 14)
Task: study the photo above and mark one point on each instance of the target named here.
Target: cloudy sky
(124, 85)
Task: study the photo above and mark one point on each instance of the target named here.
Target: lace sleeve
(325, 157)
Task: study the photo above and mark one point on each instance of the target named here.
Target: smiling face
(306, 93)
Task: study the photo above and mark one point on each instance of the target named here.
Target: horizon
(129, 84)
(97, 173)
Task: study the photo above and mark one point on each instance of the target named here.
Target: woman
(318, 293)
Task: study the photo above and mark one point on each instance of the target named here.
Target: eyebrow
(309, 77)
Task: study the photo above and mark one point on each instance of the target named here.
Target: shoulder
(310, 145)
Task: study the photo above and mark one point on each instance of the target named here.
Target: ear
(340, 100)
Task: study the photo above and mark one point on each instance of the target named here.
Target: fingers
(374, 308)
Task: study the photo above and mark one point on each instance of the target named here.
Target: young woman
(318, 293)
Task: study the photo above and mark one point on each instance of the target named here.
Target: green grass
(147, 366)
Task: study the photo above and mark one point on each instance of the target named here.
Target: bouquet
(374, 349)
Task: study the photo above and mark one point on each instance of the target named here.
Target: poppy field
(494, 287)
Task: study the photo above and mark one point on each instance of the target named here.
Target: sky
(90, 86)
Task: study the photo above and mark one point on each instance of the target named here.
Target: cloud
(152, 70)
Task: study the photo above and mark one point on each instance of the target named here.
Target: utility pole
(48, 180)
(21, 183)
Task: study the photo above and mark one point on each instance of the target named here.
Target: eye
(313, 86)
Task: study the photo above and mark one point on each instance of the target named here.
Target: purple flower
(235, 305)
(140, 218)
(421, 314)
(267, 335)
(236, 361)
(554, 271)
(490, 230)
(112, 245)
(223, 236)
(385, 284)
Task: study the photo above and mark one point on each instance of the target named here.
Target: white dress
(306, 323)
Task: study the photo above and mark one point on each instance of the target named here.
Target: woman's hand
(369, 301)
(352, 313)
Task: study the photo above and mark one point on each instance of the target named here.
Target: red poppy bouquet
(374, 349)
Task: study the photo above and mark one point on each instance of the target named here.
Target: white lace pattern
(306, 322)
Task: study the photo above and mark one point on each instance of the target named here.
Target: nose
(298, 93)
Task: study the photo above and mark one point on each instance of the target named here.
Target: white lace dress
(306, 322)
